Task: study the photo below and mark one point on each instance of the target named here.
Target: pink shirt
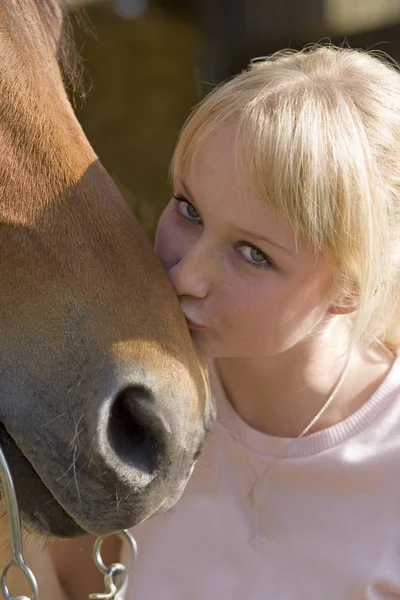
(329, 516)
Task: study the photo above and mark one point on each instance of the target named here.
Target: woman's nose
(191, 275)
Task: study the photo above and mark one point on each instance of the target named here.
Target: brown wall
(143, 84)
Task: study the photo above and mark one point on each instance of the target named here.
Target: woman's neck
(280, 395)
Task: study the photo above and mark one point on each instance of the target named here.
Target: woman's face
(246, 288)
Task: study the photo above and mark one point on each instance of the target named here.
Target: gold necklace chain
(257, 539)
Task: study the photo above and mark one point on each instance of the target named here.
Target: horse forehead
(30, 18)
(51, 13)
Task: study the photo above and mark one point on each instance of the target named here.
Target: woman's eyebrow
(266, 239)
(244, 232)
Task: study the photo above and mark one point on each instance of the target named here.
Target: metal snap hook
(28, 574)
(116, 569)
(17, 559)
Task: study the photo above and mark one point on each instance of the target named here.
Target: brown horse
(103, 402)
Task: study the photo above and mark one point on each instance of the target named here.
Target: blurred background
(147, 63)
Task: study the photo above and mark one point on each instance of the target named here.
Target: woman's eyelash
(268, 264)
(180, 200)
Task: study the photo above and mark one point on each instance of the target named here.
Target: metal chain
(17, 559)
(114, 576)
(117, 570)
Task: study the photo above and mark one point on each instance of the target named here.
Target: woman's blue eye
(249, 253)
(187, 210)
(191, 211)
(254, 256)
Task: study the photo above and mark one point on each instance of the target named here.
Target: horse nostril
(135, 431)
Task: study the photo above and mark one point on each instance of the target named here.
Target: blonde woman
(282, 241)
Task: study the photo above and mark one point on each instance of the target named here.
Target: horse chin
(41, 514)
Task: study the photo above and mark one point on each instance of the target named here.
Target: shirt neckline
(314, 443)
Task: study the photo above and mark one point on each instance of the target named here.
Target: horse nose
(137, 432)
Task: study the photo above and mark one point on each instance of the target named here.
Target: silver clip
(17, 559)
(116, 570)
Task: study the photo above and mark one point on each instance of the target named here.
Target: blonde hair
(318, 139)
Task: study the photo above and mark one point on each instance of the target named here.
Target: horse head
(104, 404)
